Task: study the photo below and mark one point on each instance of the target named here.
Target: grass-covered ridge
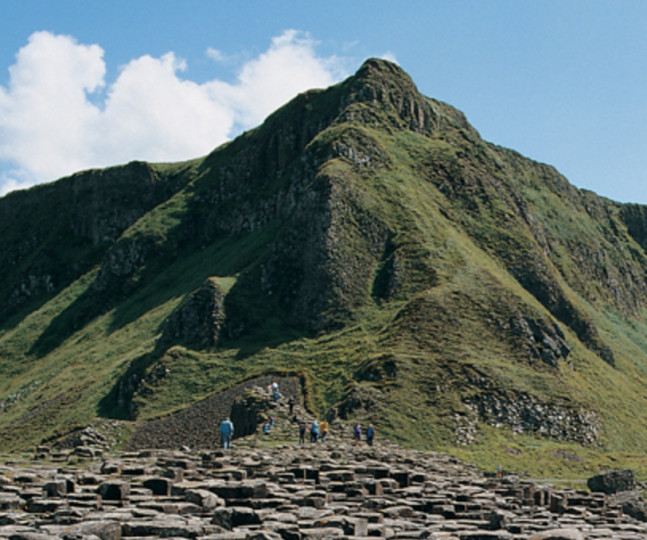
(364, 237)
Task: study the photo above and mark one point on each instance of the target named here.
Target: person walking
(291, 404)
(302, 432)
(323, 429)
(226, 433)
(370, 434)
(357, 433)
(314, 431)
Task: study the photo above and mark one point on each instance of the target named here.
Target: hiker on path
(314, 431)
(267, 427)
(291, 404)
(302, 432)
(226, 433)
(323, 429)
(370, 433)
(357, 433)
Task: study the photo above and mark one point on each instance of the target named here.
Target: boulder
(235, 516)
(45, 506)
(612, 481)
(55, 488)
(163, 527)
(10, 501)
(632, 504)
(204, 498)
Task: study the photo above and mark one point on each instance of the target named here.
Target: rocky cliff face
(57, 232)
(198, 320)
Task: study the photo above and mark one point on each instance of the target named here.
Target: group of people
(357, 434)
(318, 430)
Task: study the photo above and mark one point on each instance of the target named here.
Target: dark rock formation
(632, 504)
(197, 321)
(613, 481)
(545, 342)
(525, 414)
(250, 409)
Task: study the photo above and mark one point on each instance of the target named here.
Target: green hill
(455, 293)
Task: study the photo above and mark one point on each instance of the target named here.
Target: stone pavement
(292, 492)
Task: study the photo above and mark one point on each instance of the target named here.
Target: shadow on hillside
(118, 402)
(22, 312)
(81, 312)
(129, 302)
(254, 343)
(129, 305)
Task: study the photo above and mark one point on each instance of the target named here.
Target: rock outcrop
(197, 426)
(198, 319)
(524, 414)
(612, 481)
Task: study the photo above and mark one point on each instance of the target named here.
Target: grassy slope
(451, 334)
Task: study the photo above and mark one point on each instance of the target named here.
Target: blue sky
(90, 84)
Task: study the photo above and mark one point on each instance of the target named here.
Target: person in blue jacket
(314, 431)
(370, 433)
(226, 433)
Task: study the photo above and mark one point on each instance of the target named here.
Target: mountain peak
(382, 81)
(386, 74)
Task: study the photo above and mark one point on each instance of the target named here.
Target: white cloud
(12, 180)
(289, 66)
(58, 115)
(152, 114)
(45, 113)
(217, 55)
(390, 56)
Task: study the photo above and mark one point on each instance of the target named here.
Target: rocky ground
(270, 487)
(323, 490)
(197, 426)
